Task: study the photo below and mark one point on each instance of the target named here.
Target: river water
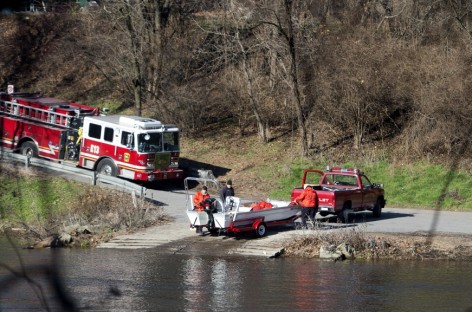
(149, 280)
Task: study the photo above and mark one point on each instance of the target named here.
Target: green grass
(417, 185)
(43, 204)
(26, 198)
(424, 185)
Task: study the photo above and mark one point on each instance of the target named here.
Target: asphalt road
(393, 220)
(407, 220)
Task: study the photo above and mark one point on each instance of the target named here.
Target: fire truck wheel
(107, 167)
(29, 149)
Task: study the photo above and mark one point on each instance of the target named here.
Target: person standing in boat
(199, 204)
(227, 191)
(308, 201)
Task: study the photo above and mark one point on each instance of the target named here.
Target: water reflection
(227, 283)
(213, 284)
(145, 280)
(307, 287)
(196, 276)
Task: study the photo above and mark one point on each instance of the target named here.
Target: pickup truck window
(365, 182)
(339, 179)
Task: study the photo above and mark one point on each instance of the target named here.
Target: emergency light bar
(140, 122)
(339, 169)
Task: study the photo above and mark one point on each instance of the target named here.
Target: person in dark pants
(210, 208)
(227, 191)
(308, 201)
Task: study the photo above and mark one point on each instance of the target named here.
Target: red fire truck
(131, 147)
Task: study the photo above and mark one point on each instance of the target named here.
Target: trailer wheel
(107, 167)
(29, 149)
(261, 229)
(214, 231)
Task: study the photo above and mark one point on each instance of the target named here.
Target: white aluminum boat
(240, 215)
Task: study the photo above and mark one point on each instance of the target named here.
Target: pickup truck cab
(342, 191)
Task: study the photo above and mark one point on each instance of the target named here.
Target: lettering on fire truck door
(94, 132)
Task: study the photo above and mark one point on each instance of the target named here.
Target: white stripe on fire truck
(6, 141)
(48, 150)
(120, 163)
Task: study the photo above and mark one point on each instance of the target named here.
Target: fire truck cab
(131, 147)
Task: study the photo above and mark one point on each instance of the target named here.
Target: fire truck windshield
(171, 141)
(149, 142)
(158, 142)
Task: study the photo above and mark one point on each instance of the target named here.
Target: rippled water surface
(146, 280)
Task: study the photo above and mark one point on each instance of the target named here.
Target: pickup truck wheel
(261, 230)
(345, 215)
(377, 211)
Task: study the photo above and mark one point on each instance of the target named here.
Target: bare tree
(126, 41)
(462, 12)
(236, 48)
(239, 22)
(280, 16)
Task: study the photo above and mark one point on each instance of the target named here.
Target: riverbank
(99, 217)
(291, 243)
(47, 208)
(385, 246)
(38, 209)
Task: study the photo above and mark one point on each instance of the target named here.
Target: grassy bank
(416, 185)
(35, 205)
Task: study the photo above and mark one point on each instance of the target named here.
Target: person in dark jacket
(227, 191)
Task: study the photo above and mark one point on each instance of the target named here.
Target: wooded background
(388, 73)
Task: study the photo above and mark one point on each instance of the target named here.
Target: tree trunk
(136, 65)
(252, 99)
(155, 39)
(294, 80)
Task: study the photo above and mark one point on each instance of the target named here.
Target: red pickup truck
(342, 191)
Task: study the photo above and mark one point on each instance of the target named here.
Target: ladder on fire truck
(48, 116)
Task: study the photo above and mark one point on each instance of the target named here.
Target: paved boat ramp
(177, 237)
